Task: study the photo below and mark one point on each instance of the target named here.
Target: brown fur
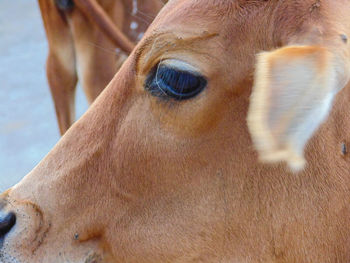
(82, 44)
(138, 179)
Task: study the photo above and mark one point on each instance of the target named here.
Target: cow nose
(7, 221)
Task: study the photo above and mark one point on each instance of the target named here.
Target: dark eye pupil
(165, 81)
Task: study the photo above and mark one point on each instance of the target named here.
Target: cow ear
(292, 95)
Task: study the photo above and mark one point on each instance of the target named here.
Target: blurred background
(28, 126)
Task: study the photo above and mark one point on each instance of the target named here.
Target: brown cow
(162, 167)
(83, 36)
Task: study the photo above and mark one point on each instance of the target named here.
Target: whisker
(145, 21)
(153, 47)
(146, 15)
(108, 50)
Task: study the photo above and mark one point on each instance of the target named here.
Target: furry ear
(292, 95)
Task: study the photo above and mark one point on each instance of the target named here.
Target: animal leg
(61, 65)
(62, 83)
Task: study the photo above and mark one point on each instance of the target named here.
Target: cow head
(163, 168)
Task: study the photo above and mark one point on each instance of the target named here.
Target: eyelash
(167, 82)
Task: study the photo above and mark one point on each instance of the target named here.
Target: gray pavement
(28, 127)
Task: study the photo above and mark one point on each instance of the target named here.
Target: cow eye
(174, 81)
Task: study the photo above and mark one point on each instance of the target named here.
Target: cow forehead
(212, 11)
(225, 18)
(230, 18)
(279, 13)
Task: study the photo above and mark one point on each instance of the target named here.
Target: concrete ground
(28, 127)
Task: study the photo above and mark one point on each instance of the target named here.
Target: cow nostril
(6, 223)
